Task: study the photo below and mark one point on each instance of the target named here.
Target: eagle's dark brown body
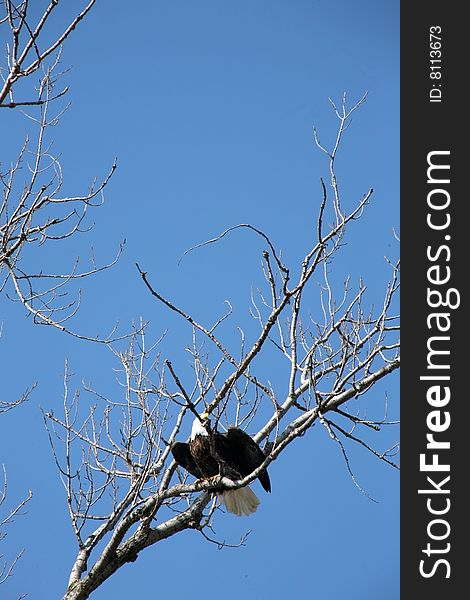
(200, 448)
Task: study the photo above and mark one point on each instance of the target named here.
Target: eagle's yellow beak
(204, 416)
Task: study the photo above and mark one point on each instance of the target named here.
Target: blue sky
(209, 108)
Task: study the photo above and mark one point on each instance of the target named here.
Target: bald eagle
(233, 454)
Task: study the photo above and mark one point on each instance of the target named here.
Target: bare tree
(26, 54)
(7, 517)
(119, 447)
(33, 211)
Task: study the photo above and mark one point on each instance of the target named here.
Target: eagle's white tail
(240, 502)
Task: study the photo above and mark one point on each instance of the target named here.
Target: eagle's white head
(198, 426)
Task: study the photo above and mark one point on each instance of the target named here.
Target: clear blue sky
(209, 108)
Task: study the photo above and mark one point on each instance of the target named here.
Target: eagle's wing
(184, 458)
(248, 455)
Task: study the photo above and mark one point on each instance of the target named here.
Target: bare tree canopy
(34, 211)
(27, 52)
(300, 350)
(123, 450)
